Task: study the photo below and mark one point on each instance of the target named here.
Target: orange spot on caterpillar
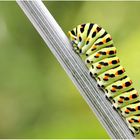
(116, 73)
(136, 107)
(93, 48)
(130, 81)
(105, 78)
(113, 89)
(110, 62)
(97, 55)
(131, 121)
(123, 85)
(120, 100)
(130, 97)
(99, 66)
(104, 40)
(107, 52)
(123, 70)
(127, 111)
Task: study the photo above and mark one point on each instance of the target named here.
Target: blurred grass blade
(60, 46)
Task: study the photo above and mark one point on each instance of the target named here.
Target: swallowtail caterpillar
(96, 48)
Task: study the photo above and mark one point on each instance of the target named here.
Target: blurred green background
(37, 99)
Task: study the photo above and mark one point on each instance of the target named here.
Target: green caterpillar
(96, 48)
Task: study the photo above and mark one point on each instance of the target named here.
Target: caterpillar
(95, 46)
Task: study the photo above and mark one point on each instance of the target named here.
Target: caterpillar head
(73, 38)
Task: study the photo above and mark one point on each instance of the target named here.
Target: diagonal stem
(60, 46)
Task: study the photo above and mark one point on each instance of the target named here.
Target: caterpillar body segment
(131, 110)
(101, 54)
(135, 130)
(104, 65)
(96, 48)
(100, 43)
(92, 38)
(134, 120)
(126, 98)
(118, 87)
(111, 76)
(81, 35)
(133, 124)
